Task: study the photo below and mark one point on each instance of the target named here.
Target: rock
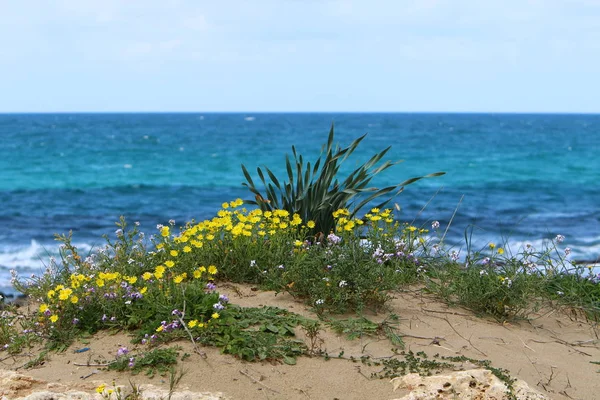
(12, 383)
(476, 384)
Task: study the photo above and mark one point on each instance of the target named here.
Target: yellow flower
(147, 276)
(197, 274)
(165, 231)
(412, 228)
(174, 253)
(143, 290)
(215, 315)
(169, 263)
(374, 210)
(159, 329)
(310, 224)
(492, 246)
(100, 388)
(54, 318)
(100, 282)
(65, 293)
(74, 299)
(43, 307)
(50, 293)
(193, 323)
(202, 269)
(131, 279)
(180, 278)
(298, 243)
(212, 270)
(160, 246)
(500, 251)
(187, 249)
(225, 206)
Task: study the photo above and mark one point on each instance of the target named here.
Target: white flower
(253, 263)
(343, 284)
(319, 302)
(435, 225)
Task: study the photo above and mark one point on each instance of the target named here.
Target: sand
(551, 352)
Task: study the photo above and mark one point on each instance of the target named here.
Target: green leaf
(289, 360)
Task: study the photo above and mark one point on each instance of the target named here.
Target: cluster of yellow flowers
(232, 223)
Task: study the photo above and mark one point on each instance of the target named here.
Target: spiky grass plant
(314, 191)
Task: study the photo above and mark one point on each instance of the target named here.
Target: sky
(300, 55)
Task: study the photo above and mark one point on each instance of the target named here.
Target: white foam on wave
(32, 256)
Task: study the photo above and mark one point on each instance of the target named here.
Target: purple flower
(223, 298)
(211, 286)
(131, 362)
(75, 321)
(176, 312)
(122, 351)
(218, 306)
(435, 225)
(104, 317)
(333, 238)
(559, 238)
(567, 251)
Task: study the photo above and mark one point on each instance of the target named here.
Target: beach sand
(552, 352)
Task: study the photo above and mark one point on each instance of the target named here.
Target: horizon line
(308, 112)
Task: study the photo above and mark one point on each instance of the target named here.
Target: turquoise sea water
(523, 178)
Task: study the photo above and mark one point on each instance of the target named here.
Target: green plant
(314, 191)
(253, 334)
(153, 361)
(355, 328)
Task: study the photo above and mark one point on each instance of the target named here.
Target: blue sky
(300, 55)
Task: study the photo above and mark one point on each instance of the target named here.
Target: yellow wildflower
(164, 231)
(74, 299)
(50, 293)
(143, 290)
(500, 251)
(100, 282)
(212, 269)
(193, 323)
(492, 246)
(100, 388)
(54, 318)
(146, 276)
(215, 315)
(65, 293)
(197, 274)
(43, 307)
(159, 329)
(174, 253)
(169, 263)
(131, 279)
(187, 249)
(225, 206)
(310, 224)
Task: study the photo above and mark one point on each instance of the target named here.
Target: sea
(510, 179)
